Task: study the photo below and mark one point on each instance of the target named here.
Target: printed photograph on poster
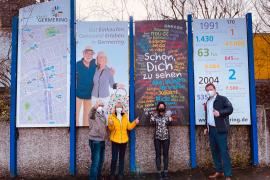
(43, 80)
(101, 67)
(161, 69)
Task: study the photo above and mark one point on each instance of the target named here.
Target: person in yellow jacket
(119, 125)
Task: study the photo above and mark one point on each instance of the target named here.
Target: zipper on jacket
(121, 129)
(114, 133)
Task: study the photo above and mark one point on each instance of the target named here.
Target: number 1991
(209, 25)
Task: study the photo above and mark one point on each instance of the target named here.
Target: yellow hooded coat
(119, 129)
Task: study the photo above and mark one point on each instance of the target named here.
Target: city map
(43, 76)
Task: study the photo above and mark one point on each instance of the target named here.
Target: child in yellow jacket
(119, 125)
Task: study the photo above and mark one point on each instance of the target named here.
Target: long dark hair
(159, 103)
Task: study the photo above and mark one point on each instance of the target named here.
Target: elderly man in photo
(85, 70)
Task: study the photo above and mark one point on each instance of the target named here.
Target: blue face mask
(211, 93)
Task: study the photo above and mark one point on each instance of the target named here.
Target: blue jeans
(220, 152)
(97, 157)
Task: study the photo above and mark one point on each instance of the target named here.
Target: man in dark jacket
(217, 111)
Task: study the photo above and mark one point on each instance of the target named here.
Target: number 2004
(206, 80)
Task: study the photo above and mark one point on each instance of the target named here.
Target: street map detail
(43, 75)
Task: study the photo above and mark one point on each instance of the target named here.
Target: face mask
(211, 93)
(161, 109)
(99, 109)
(118, 110)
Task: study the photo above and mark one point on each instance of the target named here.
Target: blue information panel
(221, 57)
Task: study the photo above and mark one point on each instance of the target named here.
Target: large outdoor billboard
(102, 70)
(221, 58)
(161, 69)
(43, 79)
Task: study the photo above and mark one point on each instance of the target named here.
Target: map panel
(43, 69)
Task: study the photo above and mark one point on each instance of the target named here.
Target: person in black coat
(217, 111)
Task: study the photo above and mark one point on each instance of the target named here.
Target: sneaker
(166, 174)
(216, 175)
(121, 177)
(159, 175)
(112, 177)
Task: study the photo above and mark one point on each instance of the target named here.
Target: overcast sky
(109, 9)
(112, 9)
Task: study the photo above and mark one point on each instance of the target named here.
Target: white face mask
(100, 109)
(211, 93)
(118, 110)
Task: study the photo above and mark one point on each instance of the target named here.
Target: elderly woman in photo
(103, 80)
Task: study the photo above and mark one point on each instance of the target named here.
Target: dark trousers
(97, 157)
(220, 152)
(118, 150)
(164, 144)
